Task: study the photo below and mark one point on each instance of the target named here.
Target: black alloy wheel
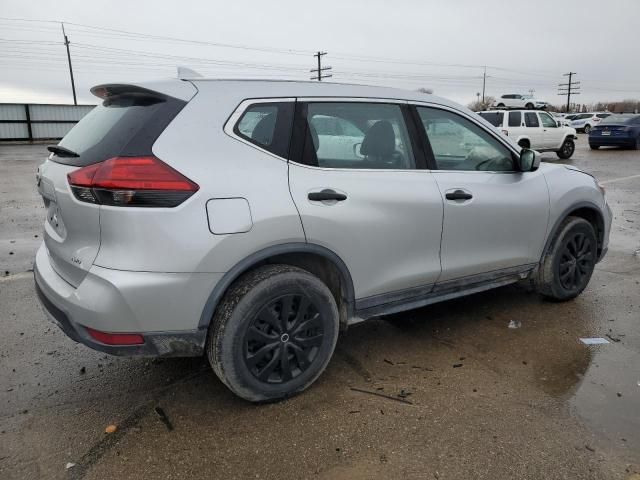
(283, 339)
(576, 262)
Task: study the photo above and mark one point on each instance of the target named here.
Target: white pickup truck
(536, 130)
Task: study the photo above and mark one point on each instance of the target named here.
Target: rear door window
(125, 124)
(356, 135)
(268, 126)
(515, 119)
(531, 119)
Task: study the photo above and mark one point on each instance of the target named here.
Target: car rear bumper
(605, 141)
(164, 308)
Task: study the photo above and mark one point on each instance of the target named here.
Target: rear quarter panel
(179, 239)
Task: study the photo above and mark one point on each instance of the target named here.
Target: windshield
(620, 119)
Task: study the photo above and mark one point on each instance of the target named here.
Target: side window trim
(431, 161)
(230, 125)
(299, 130)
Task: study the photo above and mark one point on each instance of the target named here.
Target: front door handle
(458, 195)
(326, 194)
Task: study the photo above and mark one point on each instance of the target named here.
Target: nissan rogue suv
(251, 221)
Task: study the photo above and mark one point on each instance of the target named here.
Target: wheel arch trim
(255, 258)
(567, 211)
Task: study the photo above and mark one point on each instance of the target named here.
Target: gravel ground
(482, 400)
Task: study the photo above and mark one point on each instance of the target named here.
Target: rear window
(620, 119)
(126, 124)
(494, 118)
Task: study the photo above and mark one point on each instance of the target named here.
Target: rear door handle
(458, 195)
(326, 194)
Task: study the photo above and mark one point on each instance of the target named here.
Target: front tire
(594, 147)
(587, 129)
(273, 333)
(568, 265)
(529, 106)
(567, 149)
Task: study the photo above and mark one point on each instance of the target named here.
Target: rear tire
(587, 129)
(567, 149)
(568, 265)
(273, 333)
(500, 105)
(524, 144)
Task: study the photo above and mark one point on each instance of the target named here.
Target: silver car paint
(155, 268)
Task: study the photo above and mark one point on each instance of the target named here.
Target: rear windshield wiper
(62, 151)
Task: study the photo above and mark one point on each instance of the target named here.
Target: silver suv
(252, 220)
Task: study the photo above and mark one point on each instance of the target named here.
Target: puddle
(608, 398)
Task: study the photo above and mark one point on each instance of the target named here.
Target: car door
(494, 217)
(533, 130)
(552, 136)
(373, 204)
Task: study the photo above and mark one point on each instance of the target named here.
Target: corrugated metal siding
(59, 112)
(13, 130)
(12, 111)
(51, 130)
(43, 120)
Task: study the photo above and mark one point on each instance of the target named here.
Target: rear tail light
(131, 182)
(116, 338)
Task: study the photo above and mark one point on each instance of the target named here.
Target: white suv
(536, 130)
(584, 122)
(514, 100)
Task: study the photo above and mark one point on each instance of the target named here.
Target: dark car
(620, 130)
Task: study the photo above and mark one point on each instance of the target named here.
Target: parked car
(621, 130)
(536, 130)
(206, 216)
(561, 119)
(514, 100)
(584, 122)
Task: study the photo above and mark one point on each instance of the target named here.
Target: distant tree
(479, 105)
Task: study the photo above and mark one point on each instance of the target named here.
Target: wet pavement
(478, 399)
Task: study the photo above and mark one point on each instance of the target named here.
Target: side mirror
(528, 161)
(558, 123)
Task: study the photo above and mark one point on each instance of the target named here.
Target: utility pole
(73, 83)
(569, 88)
(484, 82)
(320, 68)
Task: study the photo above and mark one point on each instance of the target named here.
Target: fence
(38, 121)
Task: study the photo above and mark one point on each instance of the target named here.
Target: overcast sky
(440, 45)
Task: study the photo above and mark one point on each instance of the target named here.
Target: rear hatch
(125, 124)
